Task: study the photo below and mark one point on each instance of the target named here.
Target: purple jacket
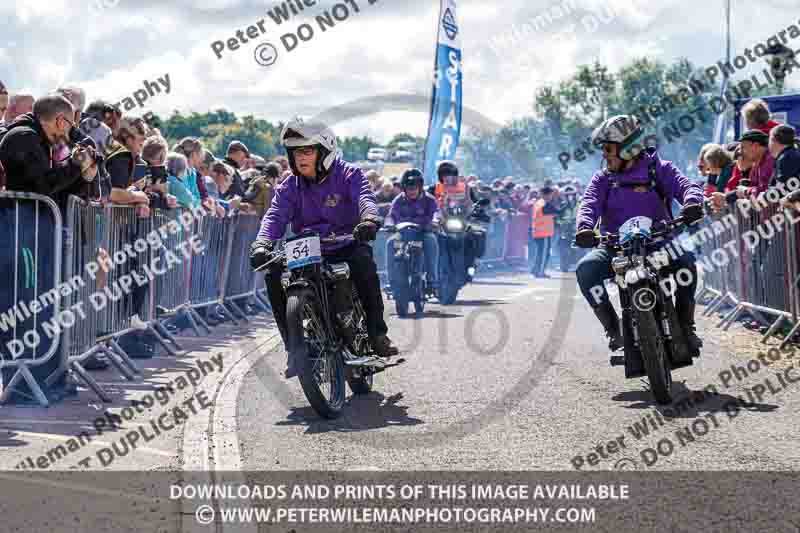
(616, 205)
(334, 206)
(420, 211)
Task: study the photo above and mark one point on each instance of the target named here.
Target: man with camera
(27, 146)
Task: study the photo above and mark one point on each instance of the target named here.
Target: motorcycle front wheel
(654, 354)
(320, 369)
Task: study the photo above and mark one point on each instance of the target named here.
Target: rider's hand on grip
(366, 231)
(260, 252)
(585, 238)
(692, 212)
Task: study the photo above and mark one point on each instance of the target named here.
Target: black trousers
(364, 274)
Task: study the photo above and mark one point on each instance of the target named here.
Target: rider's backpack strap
(655, 184)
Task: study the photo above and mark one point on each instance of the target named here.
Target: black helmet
(412, 178)
(447, 168)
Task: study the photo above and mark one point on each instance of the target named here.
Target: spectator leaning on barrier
(235, 157)
(718, 164)
(757, 116)
(737, 184)
(26, 149)
(754, 150)
(154, 153)
(783, 148)
(701, 161)
(261, 190)
(180, 186)
(204, 168)
(121, 165)
(105, 113)
(218, 184)
(18, 105)
(192, 148)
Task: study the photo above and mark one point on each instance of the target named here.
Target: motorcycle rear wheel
(654, 354)
(318, 367)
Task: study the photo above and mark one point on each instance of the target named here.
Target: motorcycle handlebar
(612, 239)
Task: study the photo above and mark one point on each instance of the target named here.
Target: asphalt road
(515, 376)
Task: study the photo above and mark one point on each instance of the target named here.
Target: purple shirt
(420, 211)
(332, 207)
(616, 205)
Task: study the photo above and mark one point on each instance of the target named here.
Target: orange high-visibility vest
(457, 192)
(542, 225)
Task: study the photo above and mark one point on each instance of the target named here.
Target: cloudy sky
(510, 47)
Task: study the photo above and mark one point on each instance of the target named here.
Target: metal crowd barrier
(761, 274)
(30, 297)
(241, 278)
(117, 265)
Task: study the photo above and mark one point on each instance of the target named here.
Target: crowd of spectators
(765, 156)
(58, 146)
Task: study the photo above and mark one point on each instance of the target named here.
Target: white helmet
(298, 133)
(623, 130)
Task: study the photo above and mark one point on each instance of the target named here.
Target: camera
(157, 174)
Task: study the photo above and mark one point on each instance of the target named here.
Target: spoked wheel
(320, 368)
(359, 380)
(659, 370)
(400, 288)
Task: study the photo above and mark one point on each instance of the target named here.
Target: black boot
(608, 318)
(685, 312)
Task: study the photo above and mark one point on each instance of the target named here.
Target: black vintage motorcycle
(650, 327)
(326, 327)
(408, 268)
(455, 236)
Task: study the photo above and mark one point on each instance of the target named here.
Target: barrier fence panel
(30, 297)
(241, 277)
(208, 268)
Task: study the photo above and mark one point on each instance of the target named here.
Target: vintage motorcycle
(455, 236)
(326, 325)
(408, 268)
(650, 327)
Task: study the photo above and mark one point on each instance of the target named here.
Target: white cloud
(386, 48)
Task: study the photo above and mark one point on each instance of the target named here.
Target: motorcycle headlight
(631, 277)
(454, 225)
(642, 273)
(620, 264)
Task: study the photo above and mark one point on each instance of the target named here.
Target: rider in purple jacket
(333, 198)
(418, 207)
(635, 183)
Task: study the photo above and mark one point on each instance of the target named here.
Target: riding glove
(692, 212)
(366, 231)
(260, 252)
(585, 238)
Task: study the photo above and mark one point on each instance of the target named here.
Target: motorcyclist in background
(416, 206)
(635, 183)
(451, 187)
(328, 196)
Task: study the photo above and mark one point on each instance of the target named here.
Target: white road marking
(63, 438)
(225, 440)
